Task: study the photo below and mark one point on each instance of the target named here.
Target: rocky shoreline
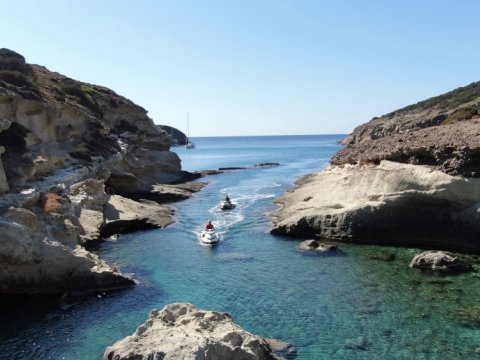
(407, 178)
(79, 163)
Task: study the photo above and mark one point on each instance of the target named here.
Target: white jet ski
(209, 237)
(227, 205)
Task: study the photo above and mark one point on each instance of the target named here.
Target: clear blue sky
(255, 67)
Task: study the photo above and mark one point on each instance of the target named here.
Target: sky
(255, 67)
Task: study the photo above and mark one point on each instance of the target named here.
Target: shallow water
(343, 306)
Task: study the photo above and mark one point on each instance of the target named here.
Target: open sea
(344, 306)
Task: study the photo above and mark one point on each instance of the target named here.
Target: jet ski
(209, 237)
(227, 205)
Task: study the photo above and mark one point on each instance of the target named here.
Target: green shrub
(72, 88)
(464, 113)
(15, 78)
(11, 61)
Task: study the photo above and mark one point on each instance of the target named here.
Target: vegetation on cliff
(442, 132)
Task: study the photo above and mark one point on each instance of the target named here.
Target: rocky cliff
(66, 147)
(408, 177)
(179, 138)
(442, 132)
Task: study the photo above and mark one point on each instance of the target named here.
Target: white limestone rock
(439, 262)
(389, 202)
(182, 331)
(30, 263)
(124, 215)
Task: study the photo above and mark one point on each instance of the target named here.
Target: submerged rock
(468, 316)
(314, 245)
(360, 343)
(440, 262)
(182, 331)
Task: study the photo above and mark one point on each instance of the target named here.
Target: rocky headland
(78, 163)
(410, 177)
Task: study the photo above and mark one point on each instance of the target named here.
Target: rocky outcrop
(441, 262)
(34, 263)
(452, 107)
(124, 215)
(316, 246)
(181, 331)
(389, 203)
(179, 138)
(408, 177)
(442, 132)
(63, 143)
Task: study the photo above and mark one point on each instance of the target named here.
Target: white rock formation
(390, 202)
(124, 215)
(31, 263)
(439, 261)
(181, 331)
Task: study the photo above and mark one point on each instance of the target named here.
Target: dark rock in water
(232, 168)
(267, 164)
(440, 262)
(207, 172)
(314, 245)
(384, 256)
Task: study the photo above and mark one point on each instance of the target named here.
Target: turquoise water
(346, 306)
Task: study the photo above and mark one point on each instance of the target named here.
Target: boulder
(314, 245)
(440, 262)
(182, 331)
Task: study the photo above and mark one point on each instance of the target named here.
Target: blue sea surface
(345, 306)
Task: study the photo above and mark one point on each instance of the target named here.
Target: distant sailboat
(189, 144)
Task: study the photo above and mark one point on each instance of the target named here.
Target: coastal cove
(362, 302)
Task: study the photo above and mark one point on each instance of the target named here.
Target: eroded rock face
(124, 215)
(63, 140)
(389, 203)
(58, 122)
(31, 263)
(182, 331)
